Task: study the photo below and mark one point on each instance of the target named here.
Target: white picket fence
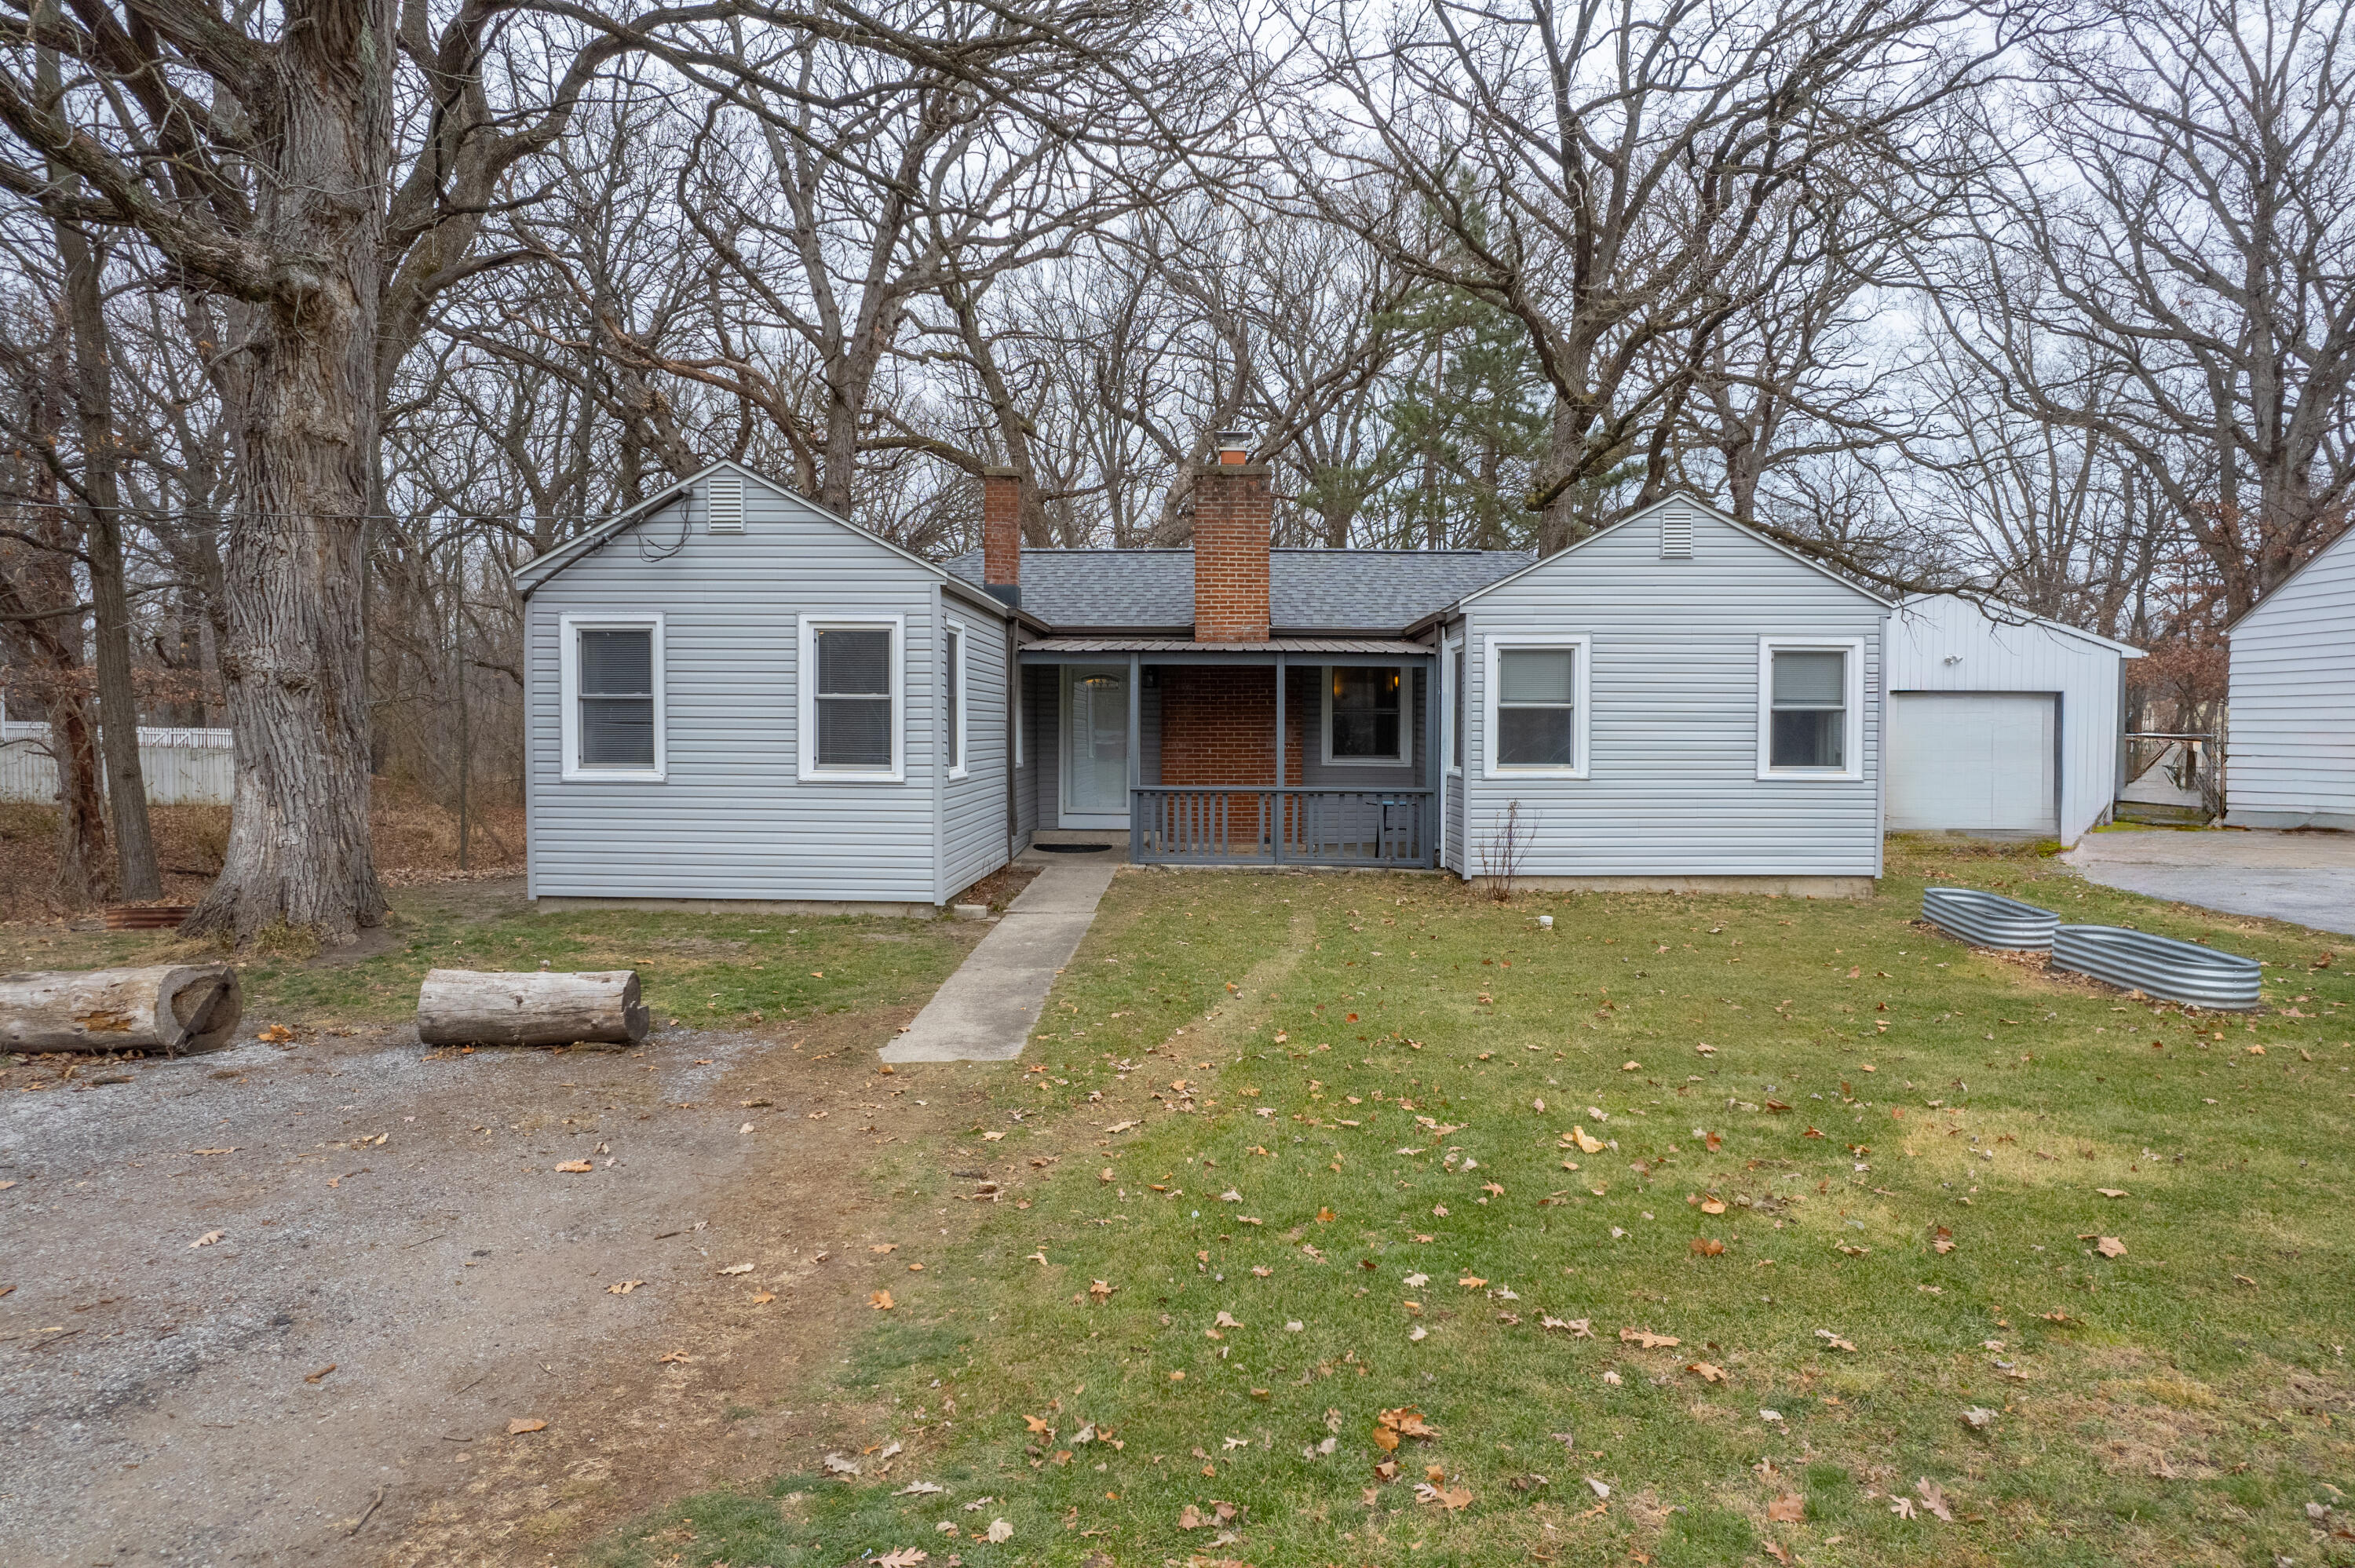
(182, 767)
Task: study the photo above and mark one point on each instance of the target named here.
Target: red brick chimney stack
(1001, 533)
(1232, 517)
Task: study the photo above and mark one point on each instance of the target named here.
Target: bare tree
(2188, 257)
(1611, 175)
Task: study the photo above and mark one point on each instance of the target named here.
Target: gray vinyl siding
(972, 809)
(1673, 786)
(732, 819)
(2290, 758)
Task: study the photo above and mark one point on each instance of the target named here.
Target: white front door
(1973, 762)
(1095, 747)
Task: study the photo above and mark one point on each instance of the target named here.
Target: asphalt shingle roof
(1308, 590)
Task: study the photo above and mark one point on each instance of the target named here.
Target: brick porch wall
(1218, 726)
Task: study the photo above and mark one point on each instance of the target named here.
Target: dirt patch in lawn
(285, 1304)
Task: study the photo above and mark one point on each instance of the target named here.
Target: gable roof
(1308, 590)
(2340, 543)
(1697, 504)
(535, 573)
(2025, 619)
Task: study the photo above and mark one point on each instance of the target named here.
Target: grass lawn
(1347, 1180)
(1356, 1105)
(706, 970)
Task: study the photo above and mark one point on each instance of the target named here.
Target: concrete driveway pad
(2308, 878)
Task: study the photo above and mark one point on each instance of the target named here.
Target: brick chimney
(1232, 515)
(1001, 533)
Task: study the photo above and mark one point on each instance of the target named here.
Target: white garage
(2000, 722)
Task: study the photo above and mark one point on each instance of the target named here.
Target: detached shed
(2290, 751)
(2000, 722)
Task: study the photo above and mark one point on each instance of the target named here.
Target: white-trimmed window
(1366, 714)
(1454, 654)
(954, 688)
(851, 701)
(1810, 707)
(610, 688)
(1534, 712)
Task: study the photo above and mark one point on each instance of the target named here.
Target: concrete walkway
(986, 1010)
(2308, 878)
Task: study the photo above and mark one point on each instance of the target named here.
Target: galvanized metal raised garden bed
(1988, 919)
(2159, 967)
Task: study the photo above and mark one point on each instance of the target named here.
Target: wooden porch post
(1277, 827)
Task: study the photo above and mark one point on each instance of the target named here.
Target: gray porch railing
(1243, 824)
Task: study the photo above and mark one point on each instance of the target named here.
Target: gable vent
(1676, 536)
(723, 503)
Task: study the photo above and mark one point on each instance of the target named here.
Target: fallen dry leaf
(208, 1239)
(880, 1300)
(323, 1371)
(522, 1423)
(1645, 1339)
(576, 1166)
(762, 1297)
(2111, 1191)
(1708, 1247)
(1834, 1340)
(622, 1287)
(1902, 1508)
(1707, 1373)
(1789, 1507)
(1712, 1205)
(1450, 1498)
(1934, 1498)
(1584, 1144)
(903, 1557)
(1406, 1421)
(737, 1268)
(998, 1531)
(2110, 1247)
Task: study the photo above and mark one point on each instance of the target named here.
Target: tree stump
(169, 1008)
(478, 1007)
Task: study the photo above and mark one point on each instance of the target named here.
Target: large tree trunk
(118, 705)
(301, 408)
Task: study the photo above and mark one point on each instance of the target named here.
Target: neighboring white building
(2290, 754)
(1999, 721)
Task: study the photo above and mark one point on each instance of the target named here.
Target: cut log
(170, 1008)
(478, 1007)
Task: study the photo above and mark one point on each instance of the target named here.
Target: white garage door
(1972, 762)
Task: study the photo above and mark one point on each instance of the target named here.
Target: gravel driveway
(2308, 878)
(279, 1305)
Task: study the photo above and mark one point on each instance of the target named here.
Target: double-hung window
(610, 686)
(1809, 709)
(952, 687)
(1536, 712)
(850, 700)
(1365, 714)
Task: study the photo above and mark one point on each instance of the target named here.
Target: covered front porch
(1294, 751)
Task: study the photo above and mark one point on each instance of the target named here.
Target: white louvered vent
(1676, 536)
(723, 503)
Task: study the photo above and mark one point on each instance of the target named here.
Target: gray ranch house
(736, 696)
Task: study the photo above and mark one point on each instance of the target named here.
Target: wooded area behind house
(319, 318)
